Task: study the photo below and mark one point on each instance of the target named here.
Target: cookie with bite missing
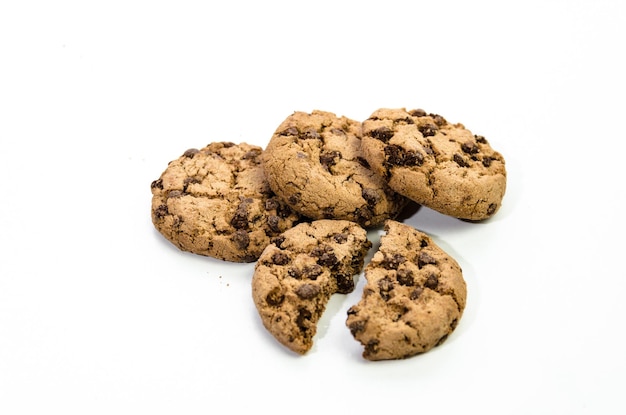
(314, 163)
(435, 163)
(216, 201)
(413, 298)
(297, 274)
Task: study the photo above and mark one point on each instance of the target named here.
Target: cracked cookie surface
(215, 201)
(301, 269)
(315, 164)
(413, 298)
(435, 163)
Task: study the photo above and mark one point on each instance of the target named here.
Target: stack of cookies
(300, 208)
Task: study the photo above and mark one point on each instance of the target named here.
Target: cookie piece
(298, 273)
(315, 164)
(435, 163)
(216, 201)
(413, 299)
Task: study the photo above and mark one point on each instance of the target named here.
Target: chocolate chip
(415, 294)
(283, 211)
(371, 196)
(157, 184)
(371, 347)
(428, 148)
(271, 204)
(357, 326)
(405, 277)
(492, 209)
(308, 291)
(325, 255)
(418, 113)
(394, 155)
(340, 238)
(280, 258)
(191, 152)
(383, 134)
(240, 218)
(254, 153)
(432, 282)
(392, 261)
(345, 283)
(363, 162)
(385, 285)
(191, 180)
(303, 319)
(470, 147)
(329, 158)
(294, 273)
(228, 144)
(405, 120)
(278, 241)
(439, 120)
(275, 297)
(289, 131)
(294, 198)
(312, 271)
(241, 238)
(273, 222)
(174, 194)
(425, 259)
(398, 156)
(460, 160)
(310, 135)
(480, 139)
(363, 215)
(487, 161)
(423, 243)
(328, 212)
(413, 158)
(328, 259)
(161, 211)
(428, 129)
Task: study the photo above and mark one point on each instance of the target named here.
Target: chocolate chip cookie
(435, 163)
(413, 298)
(315, 164)
(299, 271)
(216, 201)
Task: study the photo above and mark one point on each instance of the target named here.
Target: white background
(100, 315)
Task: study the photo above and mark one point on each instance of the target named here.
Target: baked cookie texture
(216, 201)
(315, 164)
(435, 163)
(297, 274)
(413, 298)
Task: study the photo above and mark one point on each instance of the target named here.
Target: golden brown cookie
(298, 273)
(413, 299)
(435, 163)
(315, 164)
(216, 201)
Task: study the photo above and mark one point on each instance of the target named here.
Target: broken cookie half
(299, 271)
(414, 296)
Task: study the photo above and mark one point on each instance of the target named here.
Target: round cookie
(298, 273)
(315, 164)
(413, 299)
(216, 202)
(437, 164)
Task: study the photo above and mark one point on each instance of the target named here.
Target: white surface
(100, 315)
